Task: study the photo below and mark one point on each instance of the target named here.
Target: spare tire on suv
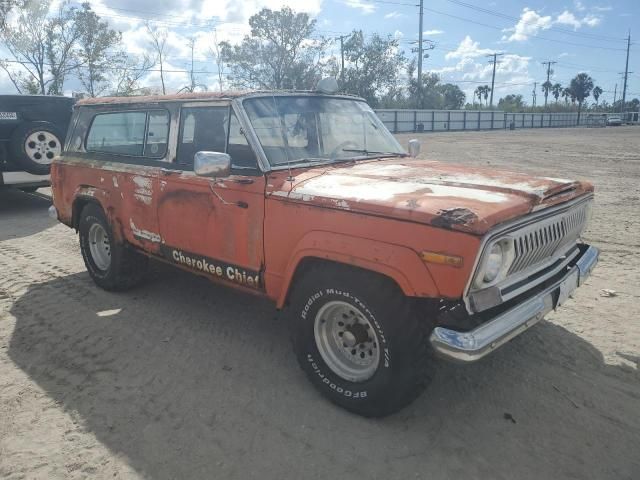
(34, 145)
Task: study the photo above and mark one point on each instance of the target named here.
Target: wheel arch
(86, 195)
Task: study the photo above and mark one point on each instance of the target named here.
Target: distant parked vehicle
(614, 120)
(32, 132)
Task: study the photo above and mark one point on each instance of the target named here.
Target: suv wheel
(34, 145)
(112, 266)
(360, 341)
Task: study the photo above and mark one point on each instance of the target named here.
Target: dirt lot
(181, 379)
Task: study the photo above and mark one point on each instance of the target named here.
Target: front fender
(403, 265)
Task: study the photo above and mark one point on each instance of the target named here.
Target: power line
(487, 11)
(531, 35)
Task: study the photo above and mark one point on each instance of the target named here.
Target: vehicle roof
(36, 97)
(200, 96)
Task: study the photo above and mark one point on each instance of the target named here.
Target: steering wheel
(347, 143)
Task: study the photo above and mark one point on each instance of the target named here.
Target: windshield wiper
(372, 152)
(303, 161)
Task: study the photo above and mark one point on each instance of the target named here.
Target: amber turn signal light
(441, 258)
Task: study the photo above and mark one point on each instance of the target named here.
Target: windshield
(301, 129)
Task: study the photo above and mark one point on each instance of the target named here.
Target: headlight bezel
(506, 244)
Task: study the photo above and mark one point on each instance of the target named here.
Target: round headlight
(494, 263)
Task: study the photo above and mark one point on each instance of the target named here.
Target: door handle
(243, 181)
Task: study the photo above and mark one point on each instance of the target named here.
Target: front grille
(541, 241)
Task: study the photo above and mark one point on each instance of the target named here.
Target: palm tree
(546, 88)
(556, 90)
(581, 86)
(487, 91)
(566, 94)
(478, 93)
(596, 94)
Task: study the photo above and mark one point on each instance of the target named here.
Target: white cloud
(433, 32)
(471, 69)
(606, 8)
(468, 49)
(530, 23)
(393, 15)
(568, 18)
(365, 7)
(579, 5)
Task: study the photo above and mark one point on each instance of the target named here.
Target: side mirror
(414, 147)
(212, 164)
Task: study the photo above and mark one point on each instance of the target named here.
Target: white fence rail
(399, 121)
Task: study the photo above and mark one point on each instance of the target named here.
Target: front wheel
(360, 341)
(112, 265)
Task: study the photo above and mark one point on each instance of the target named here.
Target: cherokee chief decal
(215, 268)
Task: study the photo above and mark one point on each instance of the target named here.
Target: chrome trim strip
(473, 345)
(506, 227)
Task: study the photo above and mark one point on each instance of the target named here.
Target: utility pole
(615, 95)
(626, 73)
(493, 77)
(546, 90)
(421, 14)
(535, 85)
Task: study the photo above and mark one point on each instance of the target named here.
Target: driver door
(213, 226)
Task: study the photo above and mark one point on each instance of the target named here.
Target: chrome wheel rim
(99, 246)
(42, 147)
(347, 341)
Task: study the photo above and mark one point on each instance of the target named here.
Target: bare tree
(131, 71)
(217, 57)
(62, 37)
(26, 41)
(158, 43)
(96, 42)
(192, 45)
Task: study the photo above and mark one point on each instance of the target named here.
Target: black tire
(35, 156)
(402, 333)
(126, 268)
(29, 189)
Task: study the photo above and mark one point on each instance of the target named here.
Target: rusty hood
(440, 194)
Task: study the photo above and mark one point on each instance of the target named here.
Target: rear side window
(130, 133)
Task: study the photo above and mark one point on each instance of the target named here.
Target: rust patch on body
(454, 216)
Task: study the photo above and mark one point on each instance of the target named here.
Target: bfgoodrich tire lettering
(124, 269)
(401, 337)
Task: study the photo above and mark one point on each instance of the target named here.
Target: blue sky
(585, 35)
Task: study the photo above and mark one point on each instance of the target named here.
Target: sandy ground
(181, 379)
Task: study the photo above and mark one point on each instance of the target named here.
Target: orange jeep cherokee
(379, 258)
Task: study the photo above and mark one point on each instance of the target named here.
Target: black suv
(32, 131)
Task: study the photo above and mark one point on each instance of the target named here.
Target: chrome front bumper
(473, 345)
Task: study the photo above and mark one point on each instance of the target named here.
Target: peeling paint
(144, 185)
(363, 189)
(114, 179)
(143, 198)
(454, 216)
(144, 234)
